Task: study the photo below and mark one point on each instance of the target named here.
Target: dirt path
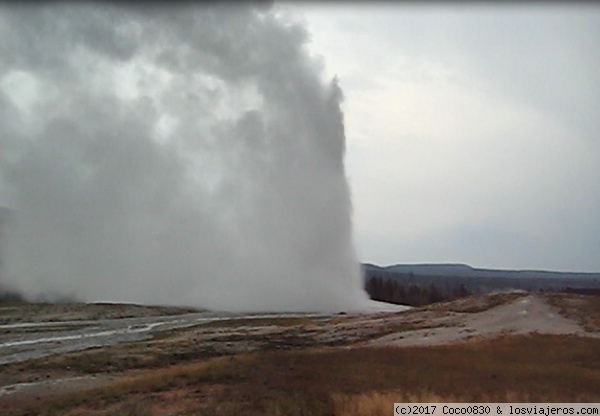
(524, 315)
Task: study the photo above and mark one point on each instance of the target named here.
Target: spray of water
(182, 155)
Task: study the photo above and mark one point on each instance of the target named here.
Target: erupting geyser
(180, 155)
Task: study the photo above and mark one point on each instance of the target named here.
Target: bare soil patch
(515, 314)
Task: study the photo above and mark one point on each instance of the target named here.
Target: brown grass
(584, 309)
(258, 322)
(131, 392)
(354, 381)
(377, 403)
(476, 304)
(44, 312)
(380, 403)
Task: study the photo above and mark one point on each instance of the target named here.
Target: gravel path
(523, 316)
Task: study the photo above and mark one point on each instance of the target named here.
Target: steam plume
(183, 155)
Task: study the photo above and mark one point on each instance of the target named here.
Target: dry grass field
(297, 370)
(583, 309)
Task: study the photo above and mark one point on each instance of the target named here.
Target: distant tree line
(419, 291)
(389, 290)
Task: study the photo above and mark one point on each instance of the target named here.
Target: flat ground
(131, 360)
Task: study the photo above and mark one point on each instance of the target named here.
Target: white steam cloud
(181, 155)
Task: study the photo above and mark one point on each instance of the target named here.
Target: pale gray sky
(472, 129)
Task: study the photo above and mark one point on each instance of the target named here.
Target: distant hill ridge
(419, 284)
(464, 270)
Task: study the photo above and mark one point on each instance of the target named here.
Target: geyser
(180, 155)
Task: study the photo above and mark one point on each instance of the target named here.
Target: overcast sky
(472, 129)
